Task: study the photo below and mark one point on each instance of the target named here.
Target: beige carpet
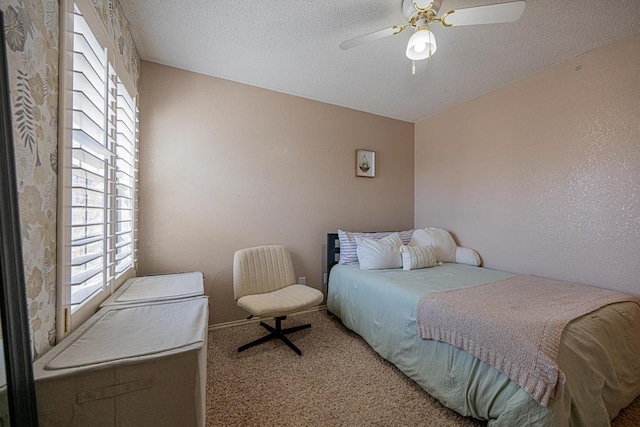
(339, 381)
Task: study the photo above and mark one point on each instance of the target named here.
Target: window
(98, 172)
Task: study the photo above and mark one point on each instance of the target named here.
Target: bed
(599, 353)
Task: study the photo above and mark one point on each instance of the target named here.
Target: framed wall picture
(366, 163)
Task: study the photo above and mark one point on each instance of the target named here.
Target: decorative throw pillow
(440, 240)
(348, 245)
(379, 254)
(467, 256)
(415, 257)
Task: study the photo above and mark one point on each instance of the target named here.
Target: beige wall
(225, 166)
(543, 176)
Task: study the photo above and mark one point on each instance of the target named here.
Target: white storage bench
(128, 365)
(162, 287)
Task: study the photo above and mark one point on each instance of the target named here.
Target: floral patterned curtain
(32, 38)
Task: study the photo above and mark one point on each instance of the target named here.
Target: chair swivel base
(278, 333)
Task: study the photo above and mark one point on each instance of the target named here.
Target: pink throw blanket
(514, 325)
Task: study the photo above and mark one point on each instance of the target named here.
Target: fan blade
(376, 35)
(490, 14)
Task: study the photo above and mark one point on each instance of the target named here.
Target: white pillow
(348, 245)
(379, 254)
(415, 257)
(440, 240)
(467, 256)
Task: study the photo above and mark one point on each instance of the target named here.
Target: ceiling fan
(421, 13)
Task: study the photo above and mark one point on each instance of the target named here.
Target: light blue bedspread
(380, 305)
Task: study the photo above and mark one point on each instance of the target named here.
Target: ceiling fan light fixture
(422, 44)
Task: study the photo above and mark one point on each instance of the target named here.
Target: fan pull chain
(413, 67)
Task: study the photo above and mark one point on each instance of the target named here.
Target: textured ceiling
(291, 46)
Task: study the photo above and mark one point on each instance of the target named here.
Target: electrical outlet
(324, 278)
(302, 280)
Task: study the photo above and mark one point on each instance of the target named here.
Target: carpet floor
(339, 381)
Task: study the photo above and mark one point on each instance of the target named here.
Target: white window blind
(90, 163)
(99, 182)
(126, 176)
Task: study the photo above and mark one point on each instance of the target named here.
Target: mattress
(157, 288)
(598, 352)
(136, 365)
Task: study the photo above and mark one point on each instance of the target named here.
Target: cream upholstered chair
(264, 284)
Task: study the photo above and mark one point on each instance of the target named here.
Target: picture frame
(365, 163)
